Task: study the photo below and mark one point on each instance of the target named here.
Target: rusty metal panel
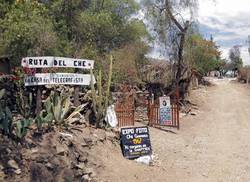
(125, 111)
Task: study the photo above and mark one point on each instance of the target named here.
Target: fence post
(178, 106)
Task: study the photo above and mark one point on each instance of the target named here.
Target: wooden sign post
(39, 79)
(76, 92)
(38, 96)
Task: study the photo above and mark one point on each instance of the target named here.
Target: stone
(2, 176)
(65, 175)
(84, 144)
(13, 164)
(195, 107)
(93, 174)
(18, 171)
(49, 165)
(83, 158)
(34, 150)
(193, 113)
(81, 165)
(39, 173)
(86, 178)
(78, 173)
(88, 141)
(42, 157)
(89, 171)
(99, 135)
(110, 135)
(60, 150)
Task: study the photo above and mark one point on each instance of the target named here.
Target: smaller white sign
(165, 111)
(58, 79)
(164, 102)
(60, 62)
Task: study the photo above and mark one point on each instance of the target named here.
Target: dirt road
(212, 146)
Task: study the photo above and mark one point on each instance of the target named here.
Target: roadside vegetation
(96, 30)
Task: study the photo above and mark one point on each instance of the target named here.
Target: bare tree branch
(171, 16)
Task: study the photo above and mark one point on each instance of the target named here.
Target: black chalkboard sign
(135, 142)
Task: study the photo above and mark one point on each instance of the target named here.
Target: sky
(229, 23)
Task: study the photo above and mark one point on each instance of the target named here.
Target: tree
(235, 58)
(128, 63)
(172, 27)
(26, 30)
(202, 55)
(89, 29)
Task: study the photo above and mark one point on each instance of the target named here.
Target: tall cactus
(109, 82)
(5, 114)
(24, 103)
(100, 103)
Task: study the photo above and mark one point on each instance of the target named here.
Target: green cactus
(22, 127)
(99, 102)
(60, 106)
(41, 119)
(109, 83)
(57, 106)
(5, 114)
(24, 103)
(2, 92)
(5, 120)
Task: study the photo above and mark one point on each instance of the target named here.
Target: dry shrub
(158, 72)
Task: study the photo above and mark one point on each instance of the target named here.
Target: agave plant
(24, 103)
(57, 107)
(22, 127)
(5, 114)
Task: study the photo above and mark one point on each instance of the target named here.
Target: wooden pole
(76, 92)
(38, 95)
(178, 106)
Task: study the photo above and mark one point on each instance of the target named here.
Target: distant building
(4, 64)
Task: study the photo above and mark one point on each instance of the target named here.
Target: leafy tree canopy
(202, 55)
(88, 29)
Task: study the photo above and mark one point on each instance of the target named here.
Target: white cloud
(244, 54)
(228, 21)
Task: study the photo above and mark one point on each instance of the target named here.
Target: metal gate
(125, 111)
(125, 116)
(154, 112)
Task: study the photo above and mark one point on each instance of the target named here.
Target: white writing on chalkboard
(135, 142)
